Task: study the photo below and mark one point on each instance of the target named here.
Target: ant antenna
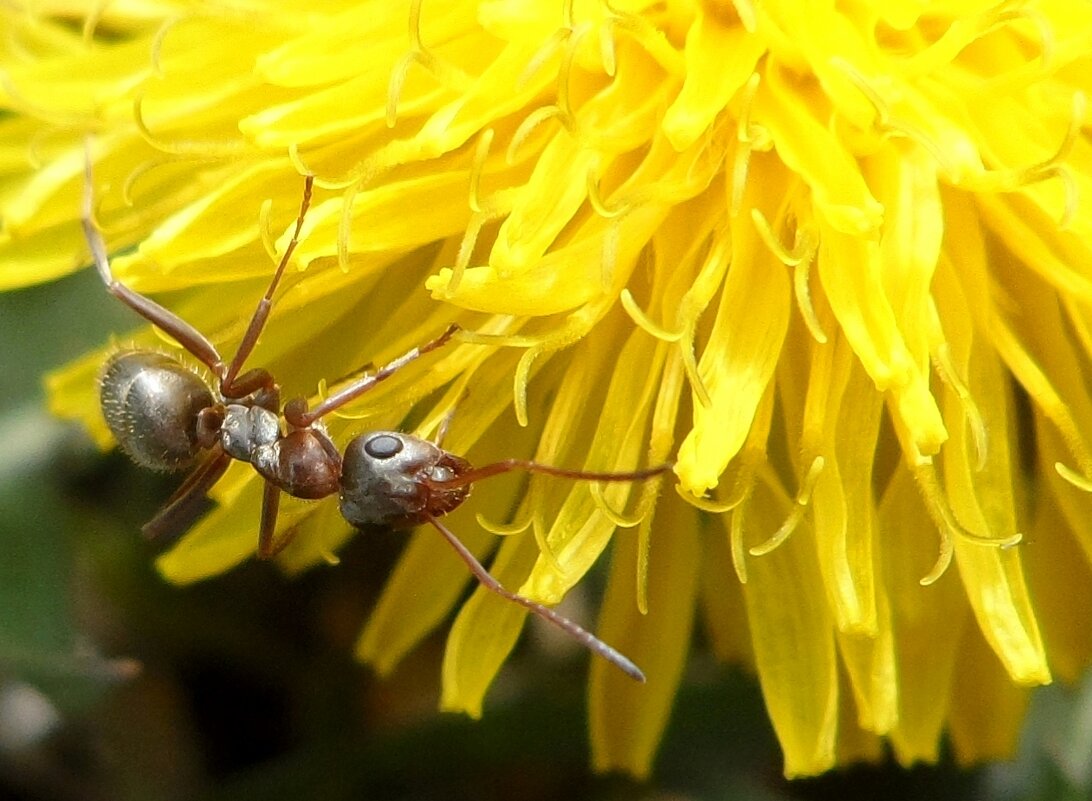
(581, 635)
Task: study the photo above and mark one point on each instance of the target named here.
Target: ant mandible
(166, 417)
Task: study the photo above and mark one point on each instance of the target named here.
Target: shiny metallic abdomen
(151, 403)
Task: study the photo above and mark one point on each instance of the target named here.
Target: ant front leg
(260, 383)
(298, 415)
(232, 385)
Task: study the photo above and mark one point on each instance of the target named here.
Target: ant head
(393, 479)
(151, 404)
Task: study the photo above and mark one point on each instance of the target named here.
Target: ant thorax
(249, 434)
(304, 463)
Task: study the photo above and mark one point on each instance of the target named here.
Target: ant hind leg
(187, 503)
(174, 326)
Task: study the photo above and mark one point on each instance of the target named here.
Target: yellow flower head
(831, 259)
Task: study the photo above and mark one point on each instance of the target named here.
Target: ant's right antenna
(582, 636)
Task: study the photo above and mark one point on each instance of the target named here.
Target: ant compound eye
(383, 446)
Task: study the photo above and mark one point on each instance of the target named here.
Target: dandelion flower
(833, 260)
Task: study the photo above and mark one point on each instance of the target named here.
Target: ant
(165, 416)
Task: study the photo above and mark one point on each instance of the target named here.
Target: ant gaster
(166, 417)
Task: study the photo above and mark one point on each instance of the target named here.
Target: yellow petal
(719, 59)
(872, 666)
(739, 358)
(793, 640)
(810, 150)
(928, 622)
(856, 743)
(222, 539)
(982, 497)
(842, 424)
(987, 708)
(627, 718)
(581, 530)
(724, 613)
(73, 394)
(405, 614)
(485, 632)
(1057, 568)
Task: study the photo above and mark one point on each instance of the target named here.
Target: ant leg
(506, 465)
(260, 383)
(268, 547)
(184, 506)
(265, 305)
(271, 504)
(298, 415)
(582, 636)
(174, 326)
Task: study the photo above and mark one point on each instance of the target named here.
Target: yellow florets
(831, 260)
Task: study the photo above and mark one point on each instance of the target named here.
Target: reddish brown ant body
(165, 417)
